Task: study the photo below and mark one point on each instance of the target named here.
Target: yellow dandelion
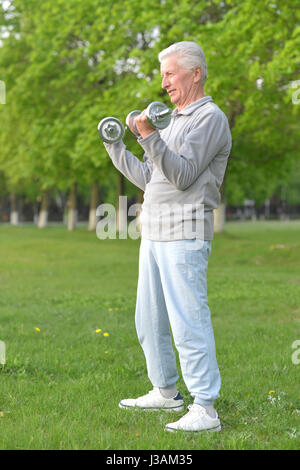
(110, 309)
(105, 352)
(291, 405)
(105, 334)
(98, 331)
(137, 434)
(271, 392)
(117, 308)
(37, 330)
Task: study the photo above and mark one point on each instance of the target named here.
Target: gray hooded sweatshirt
(183, 169)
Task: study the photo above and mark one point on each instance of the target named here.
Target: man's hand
(143, 125)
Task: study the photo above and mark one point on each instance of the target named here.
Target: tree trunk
(220, 212)
(121, 207)
(220, 218)
(43, 215)
(72, 208)
(14, 213)
(93, 206)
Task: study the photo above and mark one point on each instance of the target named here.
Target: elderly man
(183, 168)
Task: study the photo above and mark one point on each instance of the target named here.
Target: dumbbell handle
(157, 113)
(163, 113)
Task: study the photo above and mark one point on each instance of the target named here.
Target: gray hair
(190, 56)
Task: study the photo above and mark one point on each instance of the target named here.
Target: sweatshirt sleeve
(201, 145)
(136, 171)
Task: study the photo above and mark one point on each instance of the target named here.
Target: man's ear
(197, 74)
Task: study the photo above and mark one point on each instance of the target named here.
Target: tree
(62, 77)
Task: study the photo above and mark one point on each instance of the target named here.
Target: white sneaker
(197, 419)
(154, 401)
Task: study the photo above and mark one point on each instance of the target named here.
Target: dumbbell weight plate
(158, 114)
(130, 121)
(111, 130)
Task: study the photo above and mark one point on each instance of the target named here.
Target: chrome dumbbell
(158, 115)
(111, 130)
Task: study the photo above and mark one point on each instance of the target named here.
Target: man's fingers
(141, 117)
(142, 124)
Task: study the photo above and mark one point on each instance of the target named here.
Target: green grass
(61, 386)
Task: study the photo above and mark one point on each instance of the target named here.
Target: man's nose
(164, 82)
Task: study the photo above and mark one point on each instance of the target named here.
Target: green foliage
(289, 189)
(68, 64)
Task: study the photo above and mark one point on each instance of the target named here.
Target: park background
(65, 65)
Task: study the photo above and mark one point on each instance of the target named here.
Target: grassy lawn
(61, 385)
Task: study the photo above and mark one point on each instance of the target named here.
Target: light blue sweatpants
(172, 291)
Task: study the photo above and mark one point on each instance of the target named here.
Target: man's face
(177, 81)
